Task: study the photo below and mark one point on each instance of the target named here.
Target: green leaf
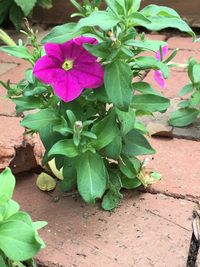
(105, 130)
(194, 99)
(136, 144)
(4, 8)
(129, 167)
(91, 176)
(64, 147)
(138, 19)
(111, 200)
(113, 150)
(7, 185)
(21, 216)
(45, 3)
(39, 225)
(104, 19)
(69, 173)
(130, 183)
(16, 16)
(36, 91)
(18, 240)
(150, 103)
(17, 51)
(127, 120)
(113, 196)
(2, 262)
(183, 117)
(133, 6)
(119, 89)
(100, 50)
(24, 103)
(160, 22)
(62, 33)
(8, 209)
(151, 63)
(196, 73)
(26, 6)
(150, 45)
(153, 10)
(144, 88)
(186, 89)
(39, 120)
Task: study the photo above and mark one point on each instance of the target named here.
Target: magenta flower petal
(158, 77)
(70, 68)
(67, 87)
(46, 70)
(89, 75)
(54, 51)
(164, 52)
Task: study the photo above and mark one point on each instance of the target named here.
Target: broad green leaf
(4, 7)
(18, 240)
(39, 225)
(113, 196)
(196, 73)
(150, 45)
(45, 3)
(100, 50)
(7, 185)
(117, 6)
(186, 89)
(119, 88)
(129, 166)
(150, 103)
(133, 6)
(151, 63)
(194, 99)
(21, 216)
(105, 130)
(16, 16)
(104, 19)
(36, 91)
(39, 120)
(138, 19)
(8, 209)
(113, 150)
(111, 199)
(62, 33)
(26, 6)
(17, 51)
(127, 120)
(91, 177)
(27, 103)
(130, 183)
(144, 88)
(152, 10)
(160, 22)
(69, 173)
(64, 147)
(2, 262)
(183, 117)
(136, 144)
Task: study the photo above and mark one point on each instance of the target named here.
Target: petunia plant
(85, 94)
(188, 109)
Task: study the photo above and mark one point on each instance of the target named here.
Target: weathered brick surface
(183, 43)
(178, 162)
(146, 230)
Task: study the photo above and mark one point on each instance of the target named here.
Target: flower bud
(78, 126)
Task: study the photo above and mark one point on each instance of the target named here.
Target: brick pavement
(148, 229)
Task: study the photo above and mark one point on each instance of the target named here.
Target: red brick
(184, 43)
(158, 37)
(146, 230)
(7, 107)
(178, 162)
(15, 74)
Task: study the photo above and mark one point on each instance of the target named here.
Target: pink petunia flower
(158, 76)
(69, 68)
